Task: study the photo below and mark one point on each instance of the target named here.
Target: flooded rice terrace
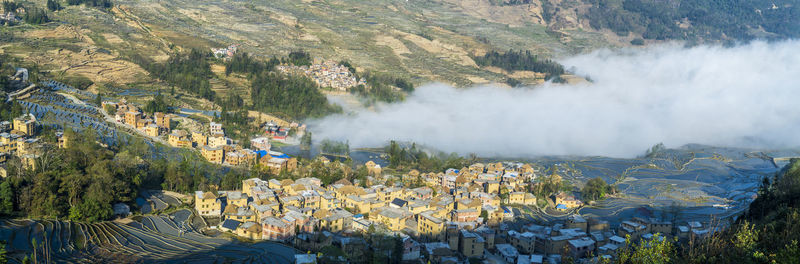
(693, 183)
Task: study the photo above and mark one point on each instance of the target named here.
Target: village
(457, 216)
(326, 74)
(18, 137)
(212, 143)
(454, 216)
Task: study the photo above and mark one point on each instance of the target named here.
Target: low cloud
(745, 96)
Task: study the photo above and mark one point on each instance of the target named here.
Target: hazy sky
(748, 95)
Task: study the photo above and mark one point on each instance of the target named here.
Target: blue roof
(279, 155)
(399, 202)
(561, 206)
(231, 224)
(261, 153)
(358, 216)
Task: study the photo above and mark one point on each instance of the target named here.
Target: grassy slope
(348, 29)
(421, 40)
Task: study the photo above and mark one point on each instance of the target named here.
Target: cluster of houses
(126, 113)
(225, 53)
(579, 238)
(214, 146)
(279, 133)
(217, 148)
(453, 216)
(8, 18)
(18, 137)
(326, 74)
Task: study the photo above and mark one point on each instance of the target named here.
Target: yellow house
(516, 198)
(237, 199)
(419, 206)
(530, 199)
(178, 138)
(63, 140)
(389, 194)
(312, 201)
(470, 244)
(373, 168)
(294, 200)
(162, 120)
(217, 141)
(25, 124)
(152, 130)
(464, 204)
(492, 186)
(430, 227)
(213, 155)
(131, 118)
(328, 221)
(29, 161)
(26, 146)
(356, 203)
(393, 218)
(249, 230)
(241, 214)
(568, 200)
(207, 204)
(199, 139)
(329, 202)
(348, 190)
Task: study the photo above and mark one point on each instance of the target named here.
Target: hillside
(419, 40)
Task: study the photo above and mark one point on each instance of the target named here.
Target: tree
(6, 198)
(36, 16)
(53, 5)
(91, 211)
(594, 189)
(158, 104)
(520, 61)
(3, 257)
(658, 250)
(397, 252)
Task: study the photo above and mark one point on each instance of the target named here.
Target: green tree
(3, 257)
(35, 16)
(397, 252)
(6, 198)
(658, 250)
(594, 189)
(53, 5)
(158, 104)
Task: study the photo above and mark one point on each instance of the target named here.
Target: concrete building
(213, 155)
(179, 139)
(471, 244)
(26, 124)
(430, 227)
(131, 118)
(260, 143)
(507, 252)
(162, 120)
(580, 248)
(215, 128)
(207, 204)
(275, 229)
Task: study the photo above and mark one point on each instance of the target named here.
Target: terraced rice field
(156, 239)
(695, 178)
(55, 110)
